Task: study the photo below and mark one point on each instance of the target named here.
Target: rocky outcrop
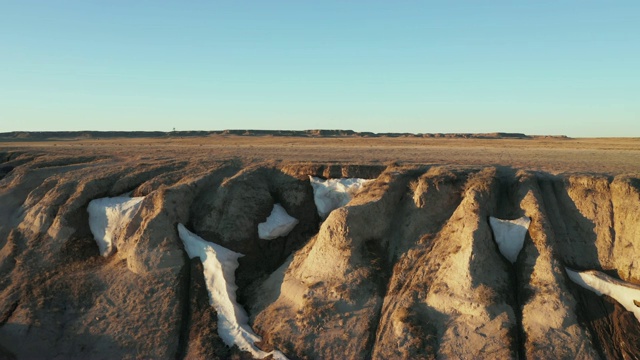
(408, 269)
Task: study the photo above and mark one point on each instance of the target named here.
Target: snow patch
(219, 266)
(331, 194)
(108, 217)
(279, 223)
(627, 294)
(509, 235)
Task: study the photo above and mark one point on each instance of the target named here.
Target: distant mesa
(82, 135)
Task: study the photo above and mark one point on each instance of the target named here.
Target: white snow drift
(509, 235)
(279, 223)
(600, 283)
(331, 194)
(219, 266)
(108, 217)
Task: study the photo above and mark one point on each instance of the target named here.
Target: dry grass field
(550, 154)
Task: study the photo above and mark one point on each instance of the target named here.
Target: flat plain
(549, 154)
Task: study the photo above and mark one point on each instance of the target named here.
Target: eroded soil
(408, 269)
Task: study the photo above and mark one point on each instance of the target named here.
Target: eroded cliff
(408, 269)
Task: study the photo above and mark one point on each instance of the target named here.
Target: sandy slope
(408, 269)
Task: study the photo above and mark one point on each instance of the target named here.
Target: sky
(536, 67)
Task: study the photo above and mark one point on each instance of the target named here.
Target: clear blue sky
(538, 67)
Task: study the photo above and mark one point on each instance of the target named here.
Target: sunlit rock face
(409, 267)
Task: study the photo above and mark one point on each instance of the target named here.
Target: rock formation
(407, 269)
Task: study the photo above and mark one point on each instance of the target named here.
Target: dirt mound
(408, 269)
